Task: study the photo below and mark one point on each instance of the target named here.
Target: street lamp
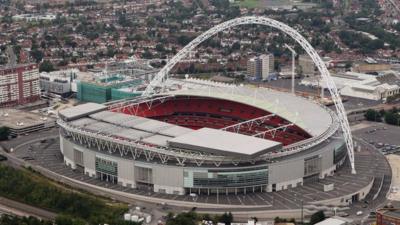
(293, 64)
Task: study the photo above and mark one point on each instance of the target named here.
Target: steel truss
(248, 123)
(162, 75)
(273, 131)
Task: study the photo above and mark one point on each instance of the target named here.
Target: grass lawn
(249, 3)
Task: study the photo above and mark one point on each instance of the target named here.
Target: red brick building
(388, 216)
(19, 85)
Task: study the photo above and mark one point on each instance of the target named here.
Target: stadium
(205, 140)
(189, 141)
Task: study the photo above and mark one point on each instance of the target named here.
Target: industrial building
(359, 85)
(307, 65)
(104, 88)
(261, 67)
(19, 85)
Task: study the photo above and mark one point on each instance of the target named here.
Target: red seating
(197, 112)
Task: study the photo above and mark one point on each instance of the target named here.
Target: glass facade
(312, 165)
(227, 178)
(339, 153)
(107, 170)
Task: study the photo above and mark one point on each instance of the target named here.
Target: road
(20, 209)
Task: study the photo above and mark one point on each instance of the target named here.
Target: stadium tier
(206, 141)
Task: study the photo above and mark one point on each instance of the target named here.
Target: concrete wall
(126, 173)
(168, 178)
(286, 173)
(68, 152)
(346, 200)
(89, 161)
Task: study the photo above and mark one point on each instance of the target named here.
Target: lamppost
(293, 64)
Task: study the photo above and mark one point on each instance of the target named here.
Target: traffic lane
(12, 143)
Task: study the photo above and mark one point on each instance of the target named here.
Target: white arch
(162, 74)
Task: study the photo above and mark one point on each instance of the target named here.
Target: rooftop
(228, 143)
(334, 221)
(80, 111)
(17, 119)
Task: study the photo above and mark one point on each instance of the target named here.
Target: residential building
(267, 65)
(19, 84)
(252, 68)
(261, 67)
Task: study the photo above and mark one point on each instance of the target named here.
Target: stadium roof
(140, 123)
(308, 115)
(224, 142)
(130, 127)
(80, 111)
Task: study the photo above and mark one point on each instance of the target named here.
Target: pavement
(394, 161)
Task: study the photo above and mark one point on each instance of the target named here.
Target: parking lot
(383, 136)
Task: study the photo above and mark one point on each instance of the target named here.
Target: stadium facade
(211, 140)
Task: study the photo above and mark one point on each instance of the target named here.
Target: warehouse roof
(224, 142)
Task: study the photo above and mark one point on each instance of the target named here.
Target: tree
(236, 46)
(46, 66)
(226, 218)
(184, 40)
(37, 55)
(392, 117)
(160, 48)
(317, 217)
(185, 218)
(4, 133)
(147, 54)
(373, 115)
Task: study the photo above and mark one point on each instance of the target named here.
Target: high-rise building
(19, 84)
(252, 67)
(261, 67)
(267, 65)
(307, 65)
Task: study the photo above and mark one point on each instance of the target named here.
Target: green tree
(317, 217)
(185, 218)
(37, 55)
(373, 115)
(4, 133)
(46, 66)
(392, 117)
(226, 218)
